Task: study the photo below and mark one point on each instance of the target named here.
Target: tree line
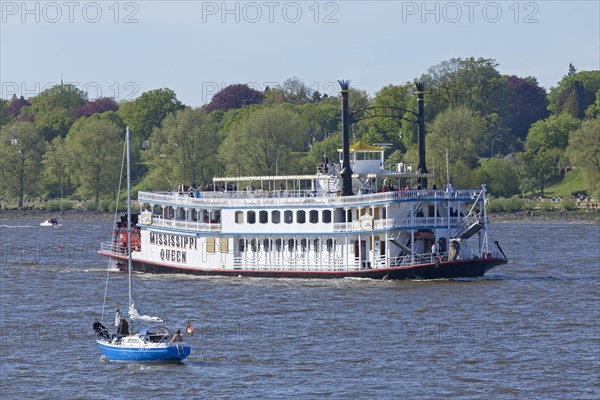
(502, 130)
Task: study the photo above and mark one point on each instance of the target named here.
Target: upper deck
(297, 198)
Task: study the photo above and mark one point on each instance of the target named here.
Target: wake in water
(17, 226)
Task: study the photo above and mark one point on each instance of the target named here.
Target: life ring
(488, 255)
(437, 262)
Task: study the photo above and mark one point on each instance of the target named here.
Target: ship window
(278, 245)
(327, 216)
(253, 245)
(239, 217)
(210, 245)
(313, 216)
(216, 217)
(267, 245)
(330, 244)
(291, 245)
(224, 245)
(275, 217)
(316, 245)
(263, 217)
(303, 245)
(242, 245)
(288, 216)
(300, 216)
(251, 217)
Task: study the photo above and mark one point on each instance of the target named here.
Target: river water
(530, 329)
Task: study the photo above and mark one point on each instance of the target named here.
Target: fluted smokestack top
(344, 85)
(420, 87)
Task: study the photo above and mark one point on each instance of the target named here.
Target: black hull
(444, 270)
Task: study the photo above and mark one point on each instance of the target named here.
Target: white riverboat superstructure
(352, 219)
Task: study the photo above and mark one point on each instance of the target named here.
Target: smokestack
(346, 171)
(422, 168)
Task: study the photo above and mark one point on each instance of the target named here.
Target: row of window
(288, 217)
(278, 245)
(211, 245)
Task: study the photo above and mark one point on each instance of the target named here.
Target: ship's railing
(296, 197)
(467, 221)
(434, 222)
(158, 221)
(112, 248)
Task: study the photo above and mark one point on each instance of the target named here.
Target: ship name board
(175, 242)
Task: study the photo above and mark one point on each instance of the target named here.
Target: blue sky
(121, 49)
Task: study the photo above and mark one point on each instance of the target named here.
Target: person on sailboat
(118, 316)
(100, 329)
(177, 337)
(123, 328)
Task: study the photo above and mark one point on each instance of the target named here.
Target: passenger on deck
(177, 337)
(118, 316)
(123, 327)
(100, 329)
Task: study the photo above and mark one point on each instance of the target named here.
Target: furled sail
(135, 315)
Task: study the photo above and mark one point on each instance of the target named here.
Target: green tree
(263, 143)
(320, 120)
(471, 82)
(147, 111)
(546, 143)
(460, 131)
(500, 175)
(21, 148)
(400, 133)
(58, 165)
(314, 157)
(584, 151)
(593, 111)
(53, 109)
(4, 118)
(185, 148)
(296, 91)
(96, 147)
(574, 93)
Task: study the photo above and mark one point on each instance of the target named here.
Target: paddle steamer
(356, 218)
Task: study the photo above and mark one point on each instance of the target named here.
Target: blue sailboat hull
(171, 353)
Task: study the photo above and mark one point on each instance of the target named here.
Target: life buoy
(488, 255)
(437, 262)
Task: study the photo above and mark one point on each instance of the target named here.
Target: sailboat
(150, 343)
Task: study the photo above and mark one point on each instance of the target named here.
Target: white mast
(129, 268)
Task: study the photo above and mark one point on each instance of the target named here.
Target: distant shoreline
(70, 215)
(567, 217)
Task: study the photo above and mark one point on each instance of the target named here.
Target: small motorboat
(50, 222)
